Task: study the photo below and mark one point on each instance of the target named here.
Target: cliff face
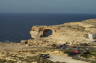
(45, 38)
(71, 33)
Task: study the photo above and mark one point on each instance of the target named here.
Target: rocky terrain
(47, 39)
(71, 33)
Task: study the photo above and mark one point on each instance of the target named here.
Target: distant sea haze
(16, 27)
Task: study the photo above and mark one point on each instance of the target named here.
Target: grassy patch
(93, 61)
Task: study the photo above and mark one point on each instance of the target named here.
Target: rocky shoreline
(46, 39)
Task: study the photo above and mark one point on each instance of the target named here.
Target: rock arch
(47, 32)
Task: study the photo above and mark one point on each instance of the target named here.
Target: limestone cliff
(44, 38)
(72, 32)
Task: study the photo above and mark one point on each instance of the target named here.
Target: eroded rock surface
(71, 33)
(42, 39)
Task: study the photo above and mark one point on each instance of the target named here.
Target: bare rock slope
(43, 37)
(71, 33)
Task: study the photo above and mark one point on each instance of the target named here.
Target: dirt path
(66, 59)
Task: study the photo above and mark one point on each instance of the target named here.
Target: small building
(92, 37)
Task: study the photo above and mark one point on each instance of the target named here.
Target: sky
(48, 6)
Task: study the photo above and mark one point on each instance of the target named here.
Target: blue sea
(16, 27)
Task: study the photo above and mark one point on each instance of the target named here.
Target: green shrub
(6, 61)
(93, 61)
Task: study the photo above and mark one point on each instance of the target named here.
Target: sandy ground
(66, 59)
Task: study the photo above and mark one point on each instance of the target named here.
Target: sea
(15, 27)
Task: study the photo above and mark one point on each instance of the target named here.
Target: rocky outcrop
(45, 39)
(71, 33)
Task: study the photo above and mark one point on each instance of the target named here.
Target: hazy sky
(48, 6)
